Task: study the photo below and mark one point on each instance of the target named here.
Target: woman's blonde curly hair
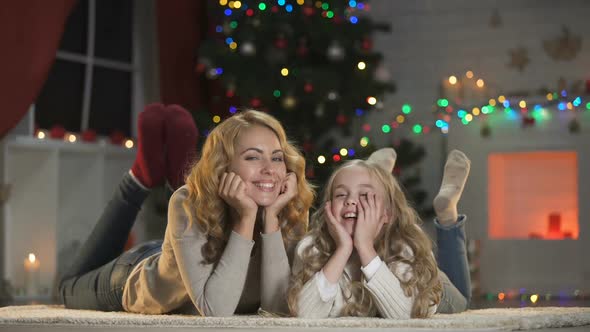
(211, 213)
(402, 230)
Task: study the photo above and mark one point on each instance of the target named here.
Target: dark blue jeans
(96, 278)
(452, 261)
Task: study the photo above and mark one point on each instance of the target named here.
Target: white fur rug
(506, 319)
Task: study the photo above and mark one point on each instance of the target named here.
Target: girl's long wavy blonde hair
(211, 213)
(402, 230)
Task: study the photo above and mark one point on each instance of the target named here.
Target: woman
(231, 228)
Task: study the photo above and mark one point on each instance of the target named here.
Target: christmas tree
(311, 64)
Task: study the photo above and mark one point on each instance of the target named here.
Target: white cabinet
(57, 192)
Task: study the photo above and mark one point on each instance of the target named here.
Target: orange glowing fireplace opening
(533, 195)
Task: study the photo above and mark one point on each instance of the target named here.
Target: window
(93, 79)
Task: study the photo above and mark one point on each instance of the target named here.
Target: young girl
(366, 254)
(230, 230)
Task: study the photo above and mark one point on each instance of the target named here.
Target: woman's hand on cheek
(288, 190)
(233, 191)
(337, 231)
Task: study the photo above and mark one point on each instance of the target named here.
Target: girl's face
(350, 184)
(259, 160)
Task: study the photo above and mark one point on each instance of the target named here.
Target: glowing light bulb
(522, 104)
(534, 298)
(129, 144)
(480, 83)
(371, 100)
(501, 296)
(361, 65)
(469, 74)
(216, 119)
(343, 152)
(71, 138)
(453, 80)
(284, 71)
(41, 135)
(321, 159)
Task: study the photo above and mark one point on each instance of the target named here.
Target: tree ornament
(485, 130)
(495, 19)
(89, 135)
(308, 11)
(382, 74)
(341, 119)
(574, 126)
(57, 132)
(255, 102)
(519, 58)
(333, 95)
(289, 102)
(564, 47)
(302, 49)
(335, 51)
(367, 44)
(319, 111)
(281, 42)
(528, 121)
(116, 137)
(247, 48)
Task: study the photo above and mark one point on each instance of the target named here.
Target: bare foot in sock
(181, 144)
(149, 167)
(454, 177)
(385, 157)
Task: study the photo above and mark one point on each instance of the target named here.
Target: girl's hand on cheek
(233, 191)
(369, 222)
(341, 237)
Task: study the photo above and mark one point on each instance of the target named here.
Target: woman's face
(350, 184)
(259, 160)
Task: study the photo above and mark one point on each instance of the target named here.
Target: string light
(321, 159)
(129, 144)
(361, 65)
(216, 119)
(469, 74)
(71, 138)
(371, 100)
(41, 134)
(343, 152)
(480, 83)
(284, 71)
(453, 80)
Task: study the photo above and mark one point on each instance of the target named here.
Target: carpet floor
(503, 319)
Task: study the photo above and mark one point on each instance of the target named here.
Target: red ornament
(302, 49)
(308, 11)
(89, 135)
(308, 87)
(281, 42)
(367, 44)
(117, 137)
(57, 132)
(200, 68)
(341, 119)
(249, 12)
(528, 121)
(255, 102)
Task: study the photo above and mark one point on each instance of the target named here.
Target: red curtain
(30, 31)
(182, 26)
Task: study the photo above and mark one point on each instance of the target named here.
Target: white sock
(454, 177)
(385, 157)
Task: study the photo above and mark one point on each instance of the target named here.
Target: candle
(32, 267)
